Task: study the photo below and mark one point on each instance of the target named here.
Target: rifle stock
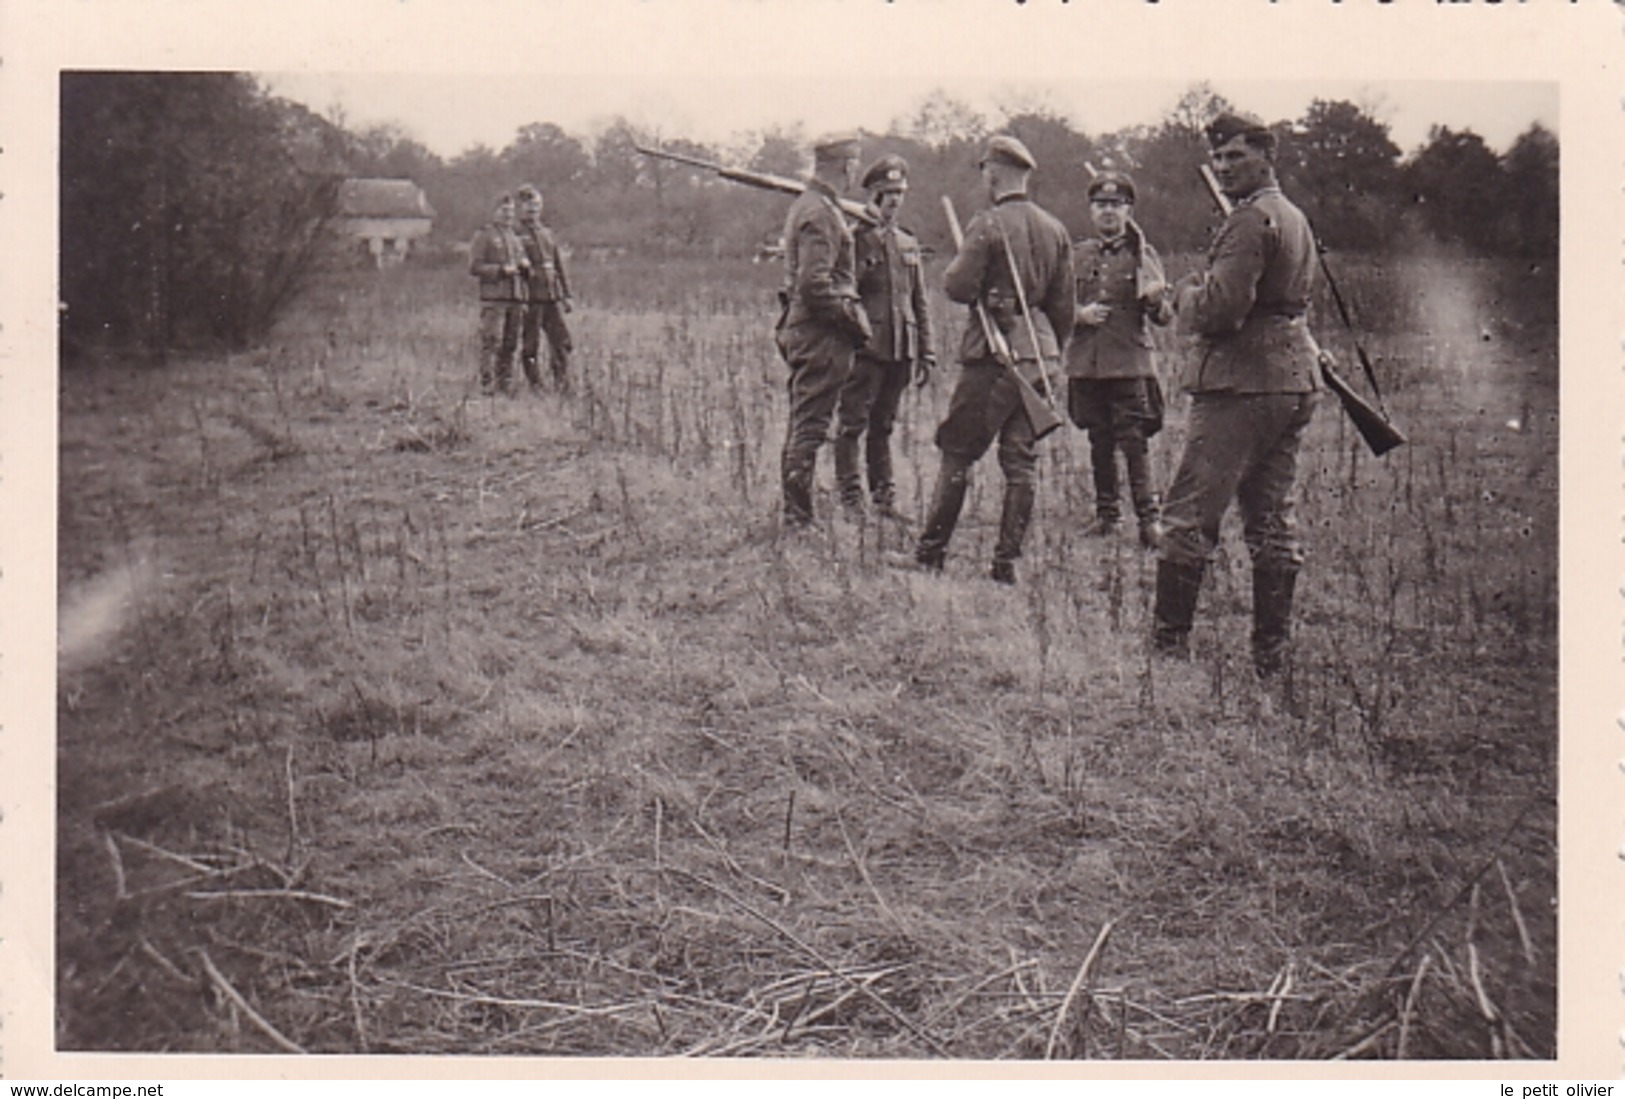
(1040, 413)
(762, 181)
(1374, 426)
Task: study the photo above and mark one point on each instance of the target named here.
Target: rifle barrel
(762, 181)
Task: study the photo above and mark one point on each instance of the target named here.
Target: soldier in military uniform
(497, 258)
(986, 404)
(549, 292)
(1253, 389)
(891, 282)
(823, 322)
(1112, 389)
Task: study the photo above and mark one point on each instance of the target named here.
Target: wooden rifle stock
(762, 181)
(1369, 420)
(1040, 413)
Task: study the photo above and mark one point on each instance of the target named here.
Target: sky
(450, 112)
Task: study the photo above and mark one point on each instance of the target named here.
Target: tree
(1531, 197)
(192, 206)
(1455, 185)
(1340, 165)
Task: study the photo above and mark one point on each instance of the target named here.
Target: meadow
(393, 718)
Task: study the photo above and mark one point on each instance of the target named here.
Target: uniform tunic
(1253, 383)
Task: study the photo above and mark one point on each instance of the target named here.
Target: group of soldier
(524, 294)
(855, 328)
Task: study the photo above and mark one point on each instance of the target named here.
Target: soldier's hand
(1095, 313)
(569, 307)
(923, 366)
(1153, 292)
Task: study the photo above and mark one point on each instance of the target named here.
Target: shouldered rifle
(1039, 411)
(760, 180)
(1371, 421)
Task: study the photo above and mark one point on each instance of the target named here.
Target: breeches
(986, 407)
(1242, 447)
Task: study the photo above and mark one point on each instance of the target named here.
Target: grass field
(397, 719)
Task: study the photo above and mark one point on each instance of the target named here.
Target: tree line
(194, 204)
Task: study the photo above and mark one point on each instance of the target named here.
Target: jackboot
(848, 483)
(1103, 472)
(1178, 586)
(1272, 617)
(947, 500)
(1014, 517)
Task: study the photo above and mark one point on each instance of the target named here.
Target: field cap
(1004, 149)
(889, 173)
(840, 145)
(1230, 125)
(529, 191)
(1111, 187)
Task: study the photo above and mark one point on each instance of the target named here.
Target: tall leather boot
(1272, 617)
(947, 500)
(1016, 514)
(848, 481)
(1103, 471)
(882, 486)
(1178, 586)
(1147, 508)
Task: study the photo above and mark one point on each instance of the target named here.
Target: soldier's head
(502, 211)
(530, 202)
(835, 159)
(1006, 164)
(886, 180)
(1111, 203)
(1242, 151)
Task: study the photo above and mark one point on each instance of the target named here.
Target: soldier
(823, 321)
(891, 282)
(497, 258)
(1253, 389)
(986, 404)
(549, 295)
(1112, 390)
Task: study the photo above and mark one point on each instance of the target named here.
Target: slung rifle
(1370, 420)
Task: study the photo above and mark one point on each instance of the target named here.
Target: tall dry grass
(451, 724)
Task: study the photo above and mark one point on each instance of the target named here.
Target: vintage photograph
(953, 570)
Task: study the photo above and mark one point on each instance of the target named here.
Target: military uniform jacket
(891, 282)
(493, 248)
(1251, 307)
(1043, 262)
(1112, 272)
(547, 281)
(821, 267)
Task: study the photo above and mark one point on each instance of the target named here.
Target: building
(385, 216)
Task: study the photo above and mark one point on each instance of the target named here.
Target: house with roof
(385, 216)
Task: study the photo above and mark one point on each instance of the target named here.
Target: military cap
(1009, 150)
(837, 146)
(527, 192)
(889, 173)
(1230, 125)
(1111, 185)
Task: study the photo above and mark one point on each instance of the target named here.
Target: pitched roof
(383, 198)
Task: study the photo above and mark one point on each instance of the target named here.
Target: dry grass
(430, 723)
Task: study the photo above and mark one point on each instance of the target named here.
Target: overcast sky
(452, 112)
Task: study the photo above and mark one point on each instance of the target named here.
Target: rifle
(1371, 421)
(1040, 413)
(760, 180)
